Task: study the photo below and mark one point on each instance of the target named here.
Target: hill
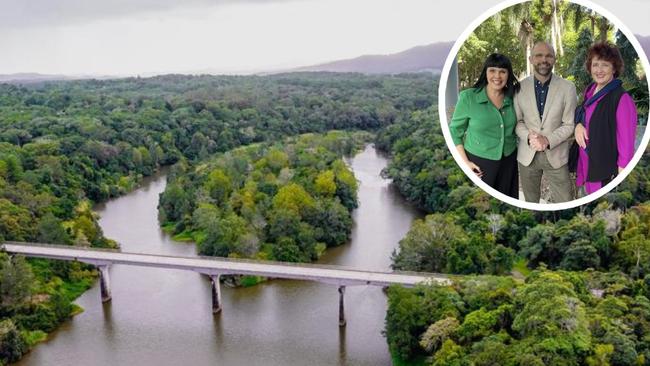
(417, 59)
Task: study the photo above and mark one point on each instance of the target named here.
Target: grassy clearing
(521, 266)
(72, 290)
(185, 236)
(34, 337)
(168, 227)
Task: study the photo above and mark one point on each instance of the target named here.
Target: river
(164, 317)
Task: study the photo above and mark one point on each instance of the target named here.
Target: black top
(541, 91)
(602, 146)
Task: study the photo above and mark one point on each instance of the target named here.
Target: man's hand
(532, 139)
(543, 142)
(537, 142)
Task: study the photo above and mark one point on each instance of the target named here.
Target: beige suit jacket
(556, 123)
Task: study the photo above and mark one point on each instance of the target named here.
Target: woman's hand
(581, 135)
(475, 168)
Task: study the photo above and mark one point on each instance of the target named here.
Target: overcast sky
(129, 37)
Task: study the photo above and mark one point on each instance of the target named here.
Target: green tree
(325, 185)
(438, 333)
(205, 216)
(493, 350)
(602, 353)
(580, 255)
(50, 230)
(16, 280)
(276, 160)
(219, 186)
(501, 260)
(624, 350)
(12, 344)
(15, 221)
(13, 168)
(478, 324)
(346, 185)
(331, 221)
(282, 223)
(286, 250)
(224, 236)
(427, 244)
(174, 202)
(450, 354)
(293, 197)
(411, 311)
(634, 243)
(581, 77)
(553, 317)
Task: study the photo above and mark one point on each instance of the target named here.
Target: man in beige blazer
(545, 109)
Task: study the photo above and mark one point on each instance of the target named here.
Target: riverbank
(164, 316)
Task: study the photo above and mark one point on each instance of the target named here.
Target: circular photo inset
(544, 104)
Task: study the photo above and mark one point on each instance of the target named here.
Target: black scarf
(602, 147)
(580, 118)
(581, 110)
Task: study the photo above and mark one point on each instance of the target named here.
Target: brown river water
(164, 317)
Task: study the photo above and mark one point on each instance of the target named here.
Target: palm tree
(603, 27)
(525, 34)
(580, 13)
(557, 27)
(520, 18)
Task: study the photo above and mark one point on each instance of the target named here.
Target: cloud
(48, 13)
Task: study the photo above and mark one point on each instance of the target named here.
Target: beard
(543, 69)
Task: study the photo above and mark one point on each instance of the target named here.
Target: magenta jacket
(626, 122)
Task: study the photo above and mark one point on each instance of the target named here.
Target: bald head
(543, 60)
(544, 47)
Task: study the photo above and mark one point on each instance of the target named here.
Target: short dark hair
(606, 52)
(503, 62)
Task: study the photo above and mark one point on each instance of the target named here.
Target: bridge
(215, 267)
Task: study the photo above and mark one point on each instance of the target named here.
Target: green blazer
(481, 128)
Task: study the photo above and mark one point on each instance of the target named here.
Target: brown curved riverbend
(164, 317)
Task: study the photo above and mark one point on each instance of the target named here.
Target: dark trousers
(501, 175)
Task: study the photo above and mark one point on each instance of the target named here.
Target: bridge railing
(357, 277)
(231, 260)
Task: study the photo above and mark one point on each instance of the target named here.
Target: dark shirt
(541, 91)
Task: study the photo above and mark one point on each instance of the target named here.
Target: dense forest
(579, 280)
(257, 173)
(551, 318)
(282, 201)
(67, 145)
(495, 320)
(487, 320)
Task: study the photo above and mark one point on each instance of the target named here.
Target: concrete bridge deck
(219, 266)
(215, 267)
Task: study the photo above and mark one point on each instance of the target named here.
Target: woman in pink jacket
(606, 122)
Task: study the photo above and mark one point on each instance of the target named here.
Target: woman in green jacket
(483, 126)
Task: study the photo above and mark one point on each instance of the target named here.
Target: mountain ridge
(424, 58)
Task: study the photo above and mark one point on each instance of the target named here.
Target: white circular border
(442, 112)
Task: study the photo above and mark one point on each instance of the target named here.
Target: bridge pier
(342, 321)
(104, 283)
(216, 293)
